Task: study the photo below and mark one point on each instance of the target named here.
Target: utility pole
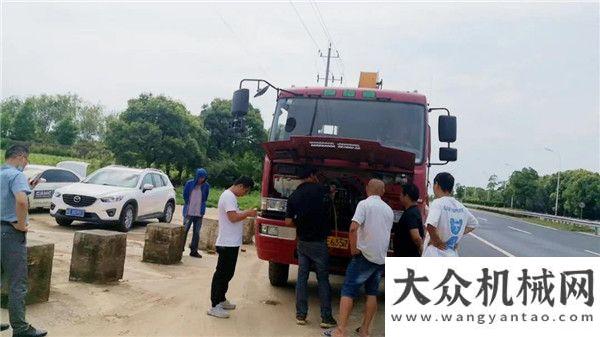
(329, 57)
(558, 178)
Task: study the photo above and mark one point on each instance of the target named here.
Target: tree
(66, 132)
(91, 122)
(524, 185)
(157, 131)
(23, 125)
(217, 120)
(8, 110)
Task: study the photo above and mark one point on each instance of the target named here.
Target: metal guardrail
(563, 219)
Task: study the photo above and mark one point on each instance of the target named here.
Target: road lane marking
(483, 219)
(518, 230)
(593, 253)
(492, 245)
(512, 218)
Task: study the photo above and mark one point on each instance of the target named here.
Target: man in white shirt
(369, 241)
(229, 240)
(448, 220)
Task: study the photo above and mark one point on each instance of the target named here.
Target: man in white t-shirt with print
(448, 220)
(231, 227)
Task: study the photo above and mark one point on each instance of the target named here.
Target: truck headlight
(273, 204)
(112, 198)
(269, 230)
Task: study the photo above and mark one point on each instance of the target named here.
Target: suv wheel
(168, 213)
(127, 218)
(64, 222)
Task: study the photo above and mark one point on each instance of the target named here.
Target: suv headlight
(273, 204)
(57, 194)
(112, 198)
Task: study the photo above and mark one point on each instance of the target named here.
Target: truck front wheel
(278, 274)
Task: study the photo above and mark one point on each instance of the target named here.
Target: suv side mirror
(240, 102)
(447, 129)
(147, 187)
(448, 154)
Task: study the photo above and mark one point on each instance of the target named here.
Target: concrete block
(98, 256)
(208, 234)
(248, 231)
(163, 243)
(39, 265)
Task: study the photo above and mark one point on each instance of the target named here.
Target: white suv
(116, 195)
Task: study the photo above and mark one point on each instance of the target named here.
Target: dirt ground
(158, 300)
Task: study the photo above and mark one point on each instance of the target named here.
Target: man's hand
(435, 240)
(354, 251)
(23, 227)
(251, 213)
(441, 245)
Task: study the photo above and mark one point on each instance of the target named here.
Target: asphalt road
(500, 235)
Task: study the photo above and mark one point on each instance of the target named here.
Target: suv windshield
(392, 124)
(121, 178)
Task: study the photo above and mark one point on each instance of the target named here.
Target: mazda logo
(77, 199)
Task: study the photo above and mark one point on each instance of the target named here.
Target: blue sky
(519, 76)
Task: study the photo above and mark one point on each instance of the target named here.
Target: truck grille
(76, 200)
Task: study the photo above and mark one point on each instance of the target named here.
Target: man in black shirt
(307, 210)
(409, 231)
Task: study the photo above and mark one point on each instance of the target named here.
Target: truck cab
(350, 135)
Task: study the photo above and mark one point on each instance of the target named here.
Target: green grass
(560, 225)
(249, 201)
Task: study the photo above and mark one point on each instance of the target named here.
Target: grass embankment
(560, 225)
(564, 226)
(249, 201)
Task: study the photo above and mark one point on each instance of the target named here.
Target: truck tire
(64, 222)
(278, 274)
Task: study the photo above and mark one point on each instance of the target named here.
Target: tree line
(153, 131)
(527, 190)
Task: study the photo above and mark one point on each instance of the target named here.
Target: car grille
(76, 200)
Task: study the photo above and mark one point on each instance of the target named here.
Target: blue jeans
(315, 253)
(361, 272)
(14, 269)
(196, 221)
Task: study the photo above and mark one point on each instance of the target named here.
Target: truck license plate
(43, 194)
(337, 242)
(75, 212)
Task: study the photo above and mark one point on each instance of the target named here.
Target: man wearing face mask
(14, 208)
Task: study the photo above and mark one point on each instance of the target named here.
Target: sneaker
(31, 332)
(301, 319)
(195, 254)
(328, 322)
(227, 305)
(218, 311)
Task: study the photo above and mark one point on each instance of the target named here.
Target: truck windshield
(392, 124)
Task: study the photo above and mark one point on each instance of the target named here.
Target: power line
(304, 25)
(241, 43)
(321, 21)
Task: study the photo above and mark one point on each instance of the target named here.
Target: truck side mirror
(240, 102)
(447, 130)
(448, 153)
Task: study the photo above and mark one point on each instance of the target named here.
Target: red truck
(350, 135)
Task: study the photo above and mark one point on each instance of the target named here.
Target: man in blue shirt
(195, 194)
(14, 208)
